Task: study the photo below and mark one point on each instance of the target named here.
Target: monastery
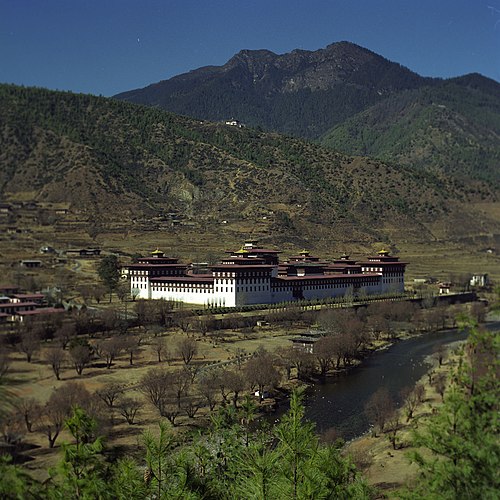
(254, 275)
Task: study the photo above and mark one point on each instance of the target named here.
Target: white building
(480, 280)
(254, 275)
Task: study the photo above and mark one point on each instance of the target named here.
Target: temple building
(255, 275)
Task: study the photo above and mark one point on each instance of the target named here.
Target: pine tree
(463, 436)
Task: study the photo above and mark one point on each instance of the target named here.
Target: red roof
(237, 266)
(322, 277)
(28, 295)
(183, 279)
(155, 266)
(17, 304)
(254, 250)
(41, 311)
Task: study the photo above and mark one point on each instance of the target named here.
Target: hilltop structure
(254, 275)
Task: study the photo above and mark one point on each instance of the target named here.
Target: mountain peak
(302, 92)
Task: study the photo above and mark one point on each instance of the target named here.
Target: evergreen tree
(109, 273)
(463, 436)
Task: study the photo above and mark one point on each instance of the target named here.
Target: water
(339, 403)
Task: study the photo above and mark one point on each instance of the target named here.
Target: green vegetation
(115, 161)
(302, 93)
(226, 462)
(459, 454)
(109, 273)
(450, 128)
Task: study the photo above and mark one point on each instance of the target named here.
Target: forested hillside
(112, 159)
(301, 93)
(352, 100)
(452, 128)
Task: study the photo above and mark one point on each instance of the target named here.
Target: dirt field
(37, 380)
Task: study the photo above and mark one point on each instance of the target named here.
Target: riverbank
(389, 469)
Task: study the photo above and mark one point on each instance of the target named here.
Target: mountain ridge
(112, 160)
(258, 85)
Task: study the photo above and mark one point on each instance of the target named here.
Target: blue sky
(108, 46)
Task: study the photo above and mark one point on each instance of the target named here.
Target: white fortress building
(254, 275)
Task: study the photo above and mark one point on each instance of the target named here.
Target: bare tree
(439, 383)
(324, 351)
(5, 363)
(165, 390)
(56, 356)
(261, 373)
(110, 349)
(478, 311)
(419, 390)
(379, 408)
(392, 427)
(155, 384)
(236, 383)
(59, 406)
(209, 386)
(160, 347)
(285, 359)
(110, 319)
(203, 325)
(163, 311)
(12, 428)
(376, 323)
(122, 291)
(85, 292)
(187, 348)
(81, 355)
(183, 319)
(411, 399)
(109, 393)
(84, 321)
(30, 410)
(191, 403)
(131, 346)
(30, 343)
(98, 292)
(180, 381)
(171, 410)
(128, 408)
(65, 333)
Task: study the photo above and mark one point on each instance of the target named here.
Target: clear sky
(108, 46)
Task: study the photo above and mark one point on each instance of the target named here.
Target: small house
(480, 280)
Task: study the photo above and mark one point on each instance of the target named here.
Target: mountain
(303, 93)
(117, 161)
(451, 128)
(352, 100)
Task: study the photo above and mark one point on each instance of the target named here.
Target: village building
(255, 275)
(83, 252)
(480, 280)
(30, 263)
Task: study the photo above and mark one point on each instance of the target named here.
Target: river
(339, 402)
